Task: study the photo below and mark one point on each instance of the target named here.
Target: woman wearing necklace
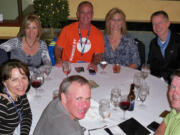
(28, 47)
(119, 48)
(15, 111)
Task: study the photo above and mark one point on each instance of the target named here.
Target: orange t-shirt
(69, 40)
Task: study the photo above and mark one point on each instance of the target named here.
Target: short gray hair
(160, 12)
(66, 83)
(83, 3)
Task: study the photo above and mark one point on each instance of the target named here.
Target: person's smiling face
(17, 84)
(31, 31)
(85, 14)
(77, 100)
(116, 23)
(160, 25)
(174, 93)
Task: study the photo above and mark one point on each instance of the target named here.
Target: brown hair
(6, 69)
(27, 20)
(110, 15)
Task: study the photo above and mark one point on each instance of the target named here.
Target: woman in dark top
(15, 111)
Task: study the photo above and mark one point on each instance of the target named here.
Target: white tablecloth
(155, 104)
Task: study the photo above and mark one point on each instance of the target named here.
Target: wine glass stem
(36, 92)
(124, 115)
(142, 103)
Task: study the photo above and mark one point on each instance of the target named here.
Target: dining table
(154, 105)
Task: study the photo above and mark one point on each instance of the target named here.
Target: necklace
(30, 46)
(80, 36)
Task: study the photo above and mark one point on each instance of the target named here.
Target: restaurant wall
(135, 10)
(9, 11)
(9, 8)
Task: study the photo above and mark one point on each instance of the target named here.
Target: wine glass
(66, 66)
(46, 70)
(103, 65)
(104, 109)
(115, 97)
(145, 71)
(37, 80)
(143, 93)
(124, 104)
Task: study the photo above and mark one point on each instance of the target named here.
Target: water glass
(143, 93)
(55, 94)
(115, 97)
(104, 109)
(46, 71)
(137, 80)
(145, 71)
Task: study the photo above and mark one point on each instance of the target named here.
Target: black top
(164, 66)
(9, 119)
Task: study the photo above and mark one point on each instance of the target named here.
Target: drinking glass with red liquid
(37, 80)
(124, 104)
(66, 66)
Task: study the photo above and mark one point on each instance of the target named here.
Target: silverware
(89, 130)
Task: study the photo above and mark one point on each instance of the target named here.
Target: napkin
(92, 118)
(133, 127)
(93, 112)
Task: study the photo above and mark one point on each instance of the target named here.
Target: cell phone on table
(153, 126)
(92, 72)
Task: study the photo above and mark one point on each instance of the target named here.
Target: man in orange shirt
(80, 41)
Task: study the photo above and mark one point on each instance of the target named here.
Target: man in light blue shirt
(164, 52)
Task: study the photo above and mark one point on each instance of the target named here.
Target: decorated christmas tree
(53, 13)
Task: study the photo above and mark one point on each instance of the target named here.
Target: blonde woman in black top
(15, 110)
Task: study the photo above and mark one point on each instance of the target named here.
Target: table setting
(102, 83)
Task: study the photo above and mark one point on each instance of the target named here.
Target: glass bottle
(131, 97)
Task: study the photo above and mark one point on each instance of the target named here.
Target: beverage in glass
(103, 65)
(37, 80)
(66, 66)
(124, 104)
(104, 109)
(116, 68)
(115, 97)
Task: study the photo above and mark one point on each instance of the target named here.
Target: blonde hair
(110, 16)
(29, 19)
